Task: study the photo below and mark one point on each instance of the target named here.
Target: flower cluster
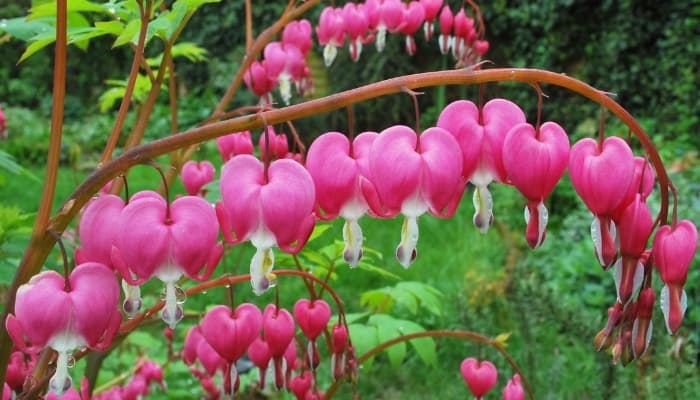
(225, 335)
(481, 376)
(284, 62)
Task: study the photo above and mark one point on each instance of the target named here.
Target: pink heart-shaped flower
(278, 329)
(312, 316)
(480, 376)
(229, 332)
(97, 229)
(195, 175)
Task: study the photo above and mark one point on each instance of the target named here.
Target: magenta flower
(513, 389)
(674, 250)
(389, 15)
(601, 175)
(278, 145)
(234, 144)
(259, 82)
(356, 26)
(284, 64)
(642, 183)
(301, 385)
(464, 35)
(331, 33)
(259, 354)
(66, 314)
(446, 40)
(182, 239)
(230, 332)
(634, 229)
(431, 8)
(298, 33)
(413, 18)
(312, 317)
(339, 345)
(480, 376)
(480, 134)
(272, 207)
(278, 331)
(195, 175)
(534, 162)
(336, 167)
(196, 348)
(411, 175)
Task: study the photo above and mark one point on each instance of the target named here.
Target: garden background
(552, 301)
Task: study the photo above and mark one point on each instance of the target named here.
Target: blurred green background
(552, 301)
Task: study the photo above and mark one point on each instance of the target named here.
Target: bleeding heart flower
(464, 34)
(66, 314)
(642, 327)
(298, 33)
(195, 175)
(230, 332)
(259, 354)
(411, 175)
(182, 239)
(269, 208)
(278, 145)
(234, 144)
(674, 250)
(389, 15)
(19, 367)
(513, 389)
(278, 332)
(331, 33)
(356, 26)
(634, 229)
(534, 162)
(301, 384)
(336, 167)
(339, 344)
(431, 9)
(284, 64)
(312, 317)
(259, 82)
(413, 18)
(481, 47)
(642, 184)
(196, 348)
(480, 134)
(446, 40)
(480, 376)
(601, 175)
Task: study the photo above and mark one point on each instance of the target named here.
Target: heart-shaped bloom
(19, 367)
(336, 167)
(273, 145)
(674, 250)
(234, 144)
(231, 332)
(259, 354)
(331, 33)
(298, 33)
(634, 229)
(339, 345)
(534, 162)
(413, 18)
(278, 332)
(312, 317)
(284, 64)
(356, 26)
(195, 175)
(431, 9)
(411, 175)
(464, 36)
(389, 15)
(446, 40)
(196, 348)
(269, 208)
(480, 376)
(642, 183)
(301, 385)
(50, 313)
(259, 82)
(480, 134)
(601, 175)
(513, 389)
(182, 239)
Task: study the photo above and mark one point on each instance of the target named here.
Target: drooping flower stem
(64, 256)
(457, 334)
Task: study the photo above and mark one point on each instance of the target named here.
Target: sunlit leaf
(364, 337)
(425, 347)
(130, 30)
(34, 47)
(23, 29)
(49, 9)
(388, 328)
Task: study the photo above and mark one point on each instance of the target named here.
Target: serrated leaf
(364, 338)
(110, 97)
(405, 299)
(160, 26)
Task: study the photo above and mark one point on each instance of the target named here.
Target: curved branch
(41, 243)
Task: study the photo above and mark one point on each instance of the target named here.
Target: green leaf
(34, 47)
(377, 270)
(429, 297)
(405, 299)
(131, 30)
(388, 328)
(23, 29)
(319, 230)
(351, 318)
(110, 27)
(49, 9)
(315, 257)
(378, 300)
(193, 5)
(425, 347)
(110, 97)
(364, 338)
